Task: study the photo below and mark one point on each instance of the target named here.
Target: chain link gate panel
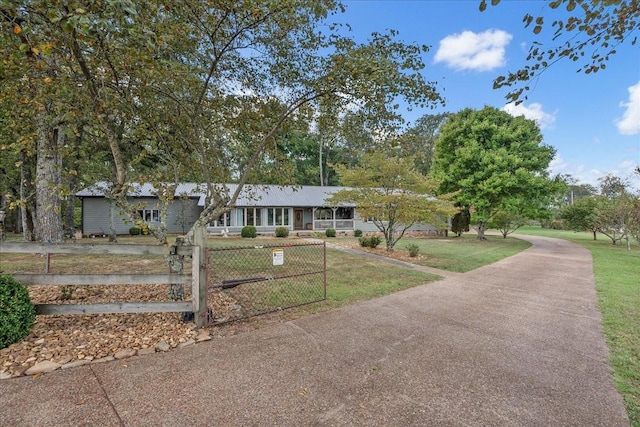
(249, 281)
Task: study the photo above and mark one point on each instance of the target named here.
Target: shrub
(17, 313)
(282, 232)
(370, 242)
(357, 233)
(135, 230)
(330, 232)
(249, 231)
(413, 250)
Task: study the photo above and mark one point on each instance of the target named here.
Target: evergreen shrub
(17, 313)
(370, 242)
(249, 232)
(282, 232)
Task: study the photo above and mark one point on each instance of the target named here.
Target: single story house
(299, 208)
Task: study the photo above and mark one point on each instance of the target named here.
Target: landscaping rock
(163, 346)
(203, 335)
(122, 354)
(75, 364)
(187, 343)
(42, 367)
(104, 359)
(145, 351)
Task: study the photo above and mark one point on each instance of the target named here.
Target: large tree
(204, 89)
(495, 161)
(419, 141)
(389, 192)
(589, 33)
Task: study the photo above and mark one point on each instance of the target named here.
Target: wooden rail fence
(194, 279)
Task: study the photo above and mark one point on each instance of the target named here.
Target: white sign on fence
(278, 257)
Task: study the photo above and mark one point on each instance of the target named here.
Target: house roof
(251, 194)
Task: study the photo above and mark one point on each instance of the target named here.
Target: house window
(149, 215)
(277, 216)
(223, 220)
(252, 216)
(323, 213)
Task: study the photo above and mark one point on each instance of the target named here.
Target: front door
(298, 219)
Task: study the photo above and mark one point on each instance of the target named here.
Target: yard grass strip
(617, 276)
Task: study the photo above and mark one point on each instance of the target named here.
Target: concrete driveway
(515, 343)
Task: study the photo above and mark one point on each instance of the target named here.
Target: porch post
(333, 217)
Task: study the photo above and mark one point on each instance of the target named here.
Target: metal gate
(253, 280)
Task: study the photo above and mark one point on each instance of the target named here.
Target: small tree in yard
(507, 222)
(391, 194)
(581, 215)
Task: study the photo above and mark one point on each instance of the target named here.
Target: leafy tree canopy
(206, 90)
(494, 161)
(590, 35)
(389, 192)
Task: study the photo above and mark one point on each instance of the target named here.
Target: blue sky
(593, 121)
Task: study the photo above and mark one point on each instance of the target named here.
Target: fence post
(200, 241)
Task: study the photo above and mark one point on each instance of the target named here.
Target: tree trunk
(482, 226)
(48, 183)
(320, 161)
(26, 188)
(72, 183)
(113, 236)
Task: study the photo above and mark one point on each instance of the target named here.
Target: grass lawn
(459, 254)
(617, 274)
(465, 253)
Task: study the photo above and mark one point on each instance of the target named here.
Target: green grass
(350, 278)
(466, 253)
(353, 278)
(617, 274)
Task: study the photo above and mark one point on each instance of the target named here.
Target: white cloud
(532, 112)
(474, 51)
(583, 175)
(629, 124)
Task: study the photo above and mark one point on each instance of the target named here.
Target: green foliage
(370, 241)
(581, 215)
(466, 253)
(589, 31)
(413, 249)
(388, 190)
(17, 313)
(249, 231)
(357, 233)
(135, 230)
(261, 69)
(460, 222)
(282, 232)
(330, 232)
(419, 141)
(506, 222)
(494, 160)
